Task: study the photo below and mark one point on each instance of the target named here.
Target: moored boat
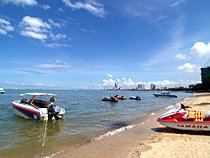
(119, 97)
(2, 90)
(36, 108)
(184, 118)
(165, 94)
(135, 98)
(110, 99)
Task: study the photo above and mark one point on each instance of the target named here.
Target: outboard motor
(52, 111)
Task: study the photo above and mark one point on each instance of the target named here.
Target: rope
(45, 131)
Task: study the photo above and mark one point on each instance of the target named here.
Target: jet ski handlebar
(184, 107)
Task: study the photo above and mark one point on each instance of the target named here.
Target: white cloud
(60, 9)
(21, 2)
(109, 75)
(36, 35)
(57, 36)
(46, 7)
(200, 49)
(55, 24)
(168, 83)
(57, 65)
(164, 83)
(41, 30)
(34, 28)
(181, 56)
(129, 83)
(5, 26)
(56, 45)
(176, 3)
(118, 80)
(187, 67)
(152, 9)
(90, 5)
(108, 82)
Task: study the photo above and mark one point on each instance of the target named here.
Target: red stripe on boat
(27, 110)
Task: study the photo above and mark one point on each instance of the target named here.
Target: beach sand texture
(149, 140)
(175, 143)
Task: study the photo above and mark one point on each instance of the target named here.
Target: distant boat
(165, 94)
(119, 97)
(135, 98)
(111, 99)
(2, 91)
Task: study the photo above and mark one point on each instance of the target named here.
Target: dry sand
(175, 143)
(149, 140)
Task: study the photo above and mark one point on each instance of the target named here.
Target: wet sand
(148, 140)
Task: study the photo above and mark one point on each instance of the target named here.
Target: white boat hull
(28, 111)
(195, 126)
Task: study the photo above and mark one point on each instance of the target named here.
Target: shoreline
(117, 143)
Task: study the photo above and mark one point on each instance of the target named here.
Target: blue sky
(66, 44)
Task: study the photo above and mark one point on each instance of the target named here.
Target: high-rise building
(205, 77)
(152, 87)
(141, 87)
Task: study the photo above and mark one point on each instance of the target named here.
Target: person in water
(52, 111)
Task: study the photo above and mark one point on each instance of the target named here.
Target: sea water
(87, 118)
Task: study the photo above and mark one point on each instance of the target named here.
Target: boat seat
(196, 115)
(24, 101)
(40, 103)
(191, 114)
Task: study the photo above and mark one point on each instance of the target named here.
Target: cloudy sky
(67, 44)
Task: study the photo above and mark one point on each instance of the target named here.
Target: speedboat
(111, 99)
(135, 98)
(38, 107)
(165, 94)
(184, 118)
(2, 91)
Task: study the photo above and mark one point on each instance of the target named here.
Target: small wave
(110, 133)
(168, 107)
(50, 156)
(152, 114)
(187, 99)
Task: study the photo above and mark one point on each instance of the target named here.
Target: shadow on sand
(117, 124)
(202, 104)
(177, 131)
(202, 95)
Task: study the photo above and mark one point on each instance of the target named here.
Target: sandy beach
(148, 140)
(175, 143)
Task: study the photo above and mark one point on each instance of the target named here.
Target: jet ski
(119, 97)
(111, 99)
(186, 118)
(135, 98)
